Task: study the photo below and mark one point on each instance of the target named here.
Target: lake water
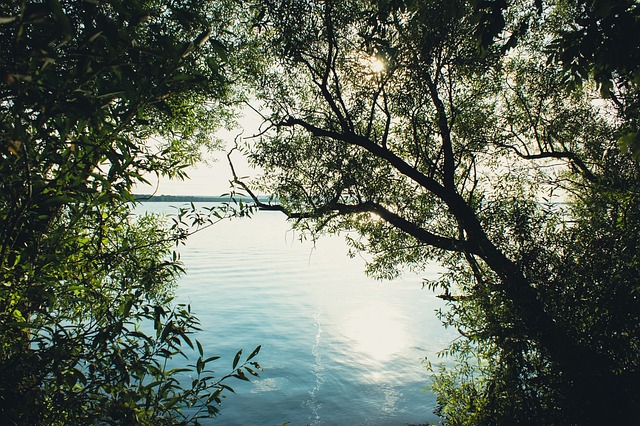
(338, 348)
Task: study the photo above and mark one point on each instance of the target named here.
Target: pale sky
(210, 179)
(204, 179)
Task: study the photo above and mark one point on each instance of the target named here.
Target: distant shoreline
(149, 198)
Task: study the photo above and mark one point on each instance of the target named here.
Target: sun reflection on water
(377, 330)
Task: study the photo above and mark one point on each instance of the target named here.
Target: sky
(211, 178)
(204, 179)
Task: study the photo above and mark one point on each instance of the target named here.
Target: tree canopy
(455, 132)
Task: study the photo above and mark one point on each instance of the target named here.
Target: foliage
(592, 40)
(481, 155)
(88, 324)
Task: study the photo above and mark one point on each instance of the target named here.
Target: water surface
(338, 348)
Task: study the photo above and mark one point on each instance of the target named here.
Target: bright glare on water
(338, 348)
(377, 331)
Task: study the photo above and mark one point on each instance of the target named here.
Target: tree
(385, 118)
(87, 322)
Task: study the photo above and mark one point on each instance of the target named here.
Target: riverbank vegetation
(95, 96)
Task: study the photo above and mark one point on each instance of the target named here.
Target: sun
(376, 65)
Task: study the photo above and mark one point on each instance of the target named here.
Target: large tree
(86, 86)
(395, 119)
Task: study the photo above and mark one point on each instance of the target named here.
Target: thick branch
(445, 134)
(567, 155)
(417, 232)
(421, 234)
(398, 163)
(390, 217)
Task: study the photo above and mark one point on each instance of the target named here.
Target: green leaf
(60, 16)
(630, 142)
(254, 353)
(240, 375)
(252, 372)
(186, 339)
(236, 359)
(227, 387)
(220, 49)
(168, 328)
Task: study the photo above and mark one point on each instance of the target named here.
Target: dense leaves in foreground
(94, 96)
(485, 136)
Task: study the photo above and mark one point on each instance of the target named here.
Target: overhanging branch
(334, 206)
